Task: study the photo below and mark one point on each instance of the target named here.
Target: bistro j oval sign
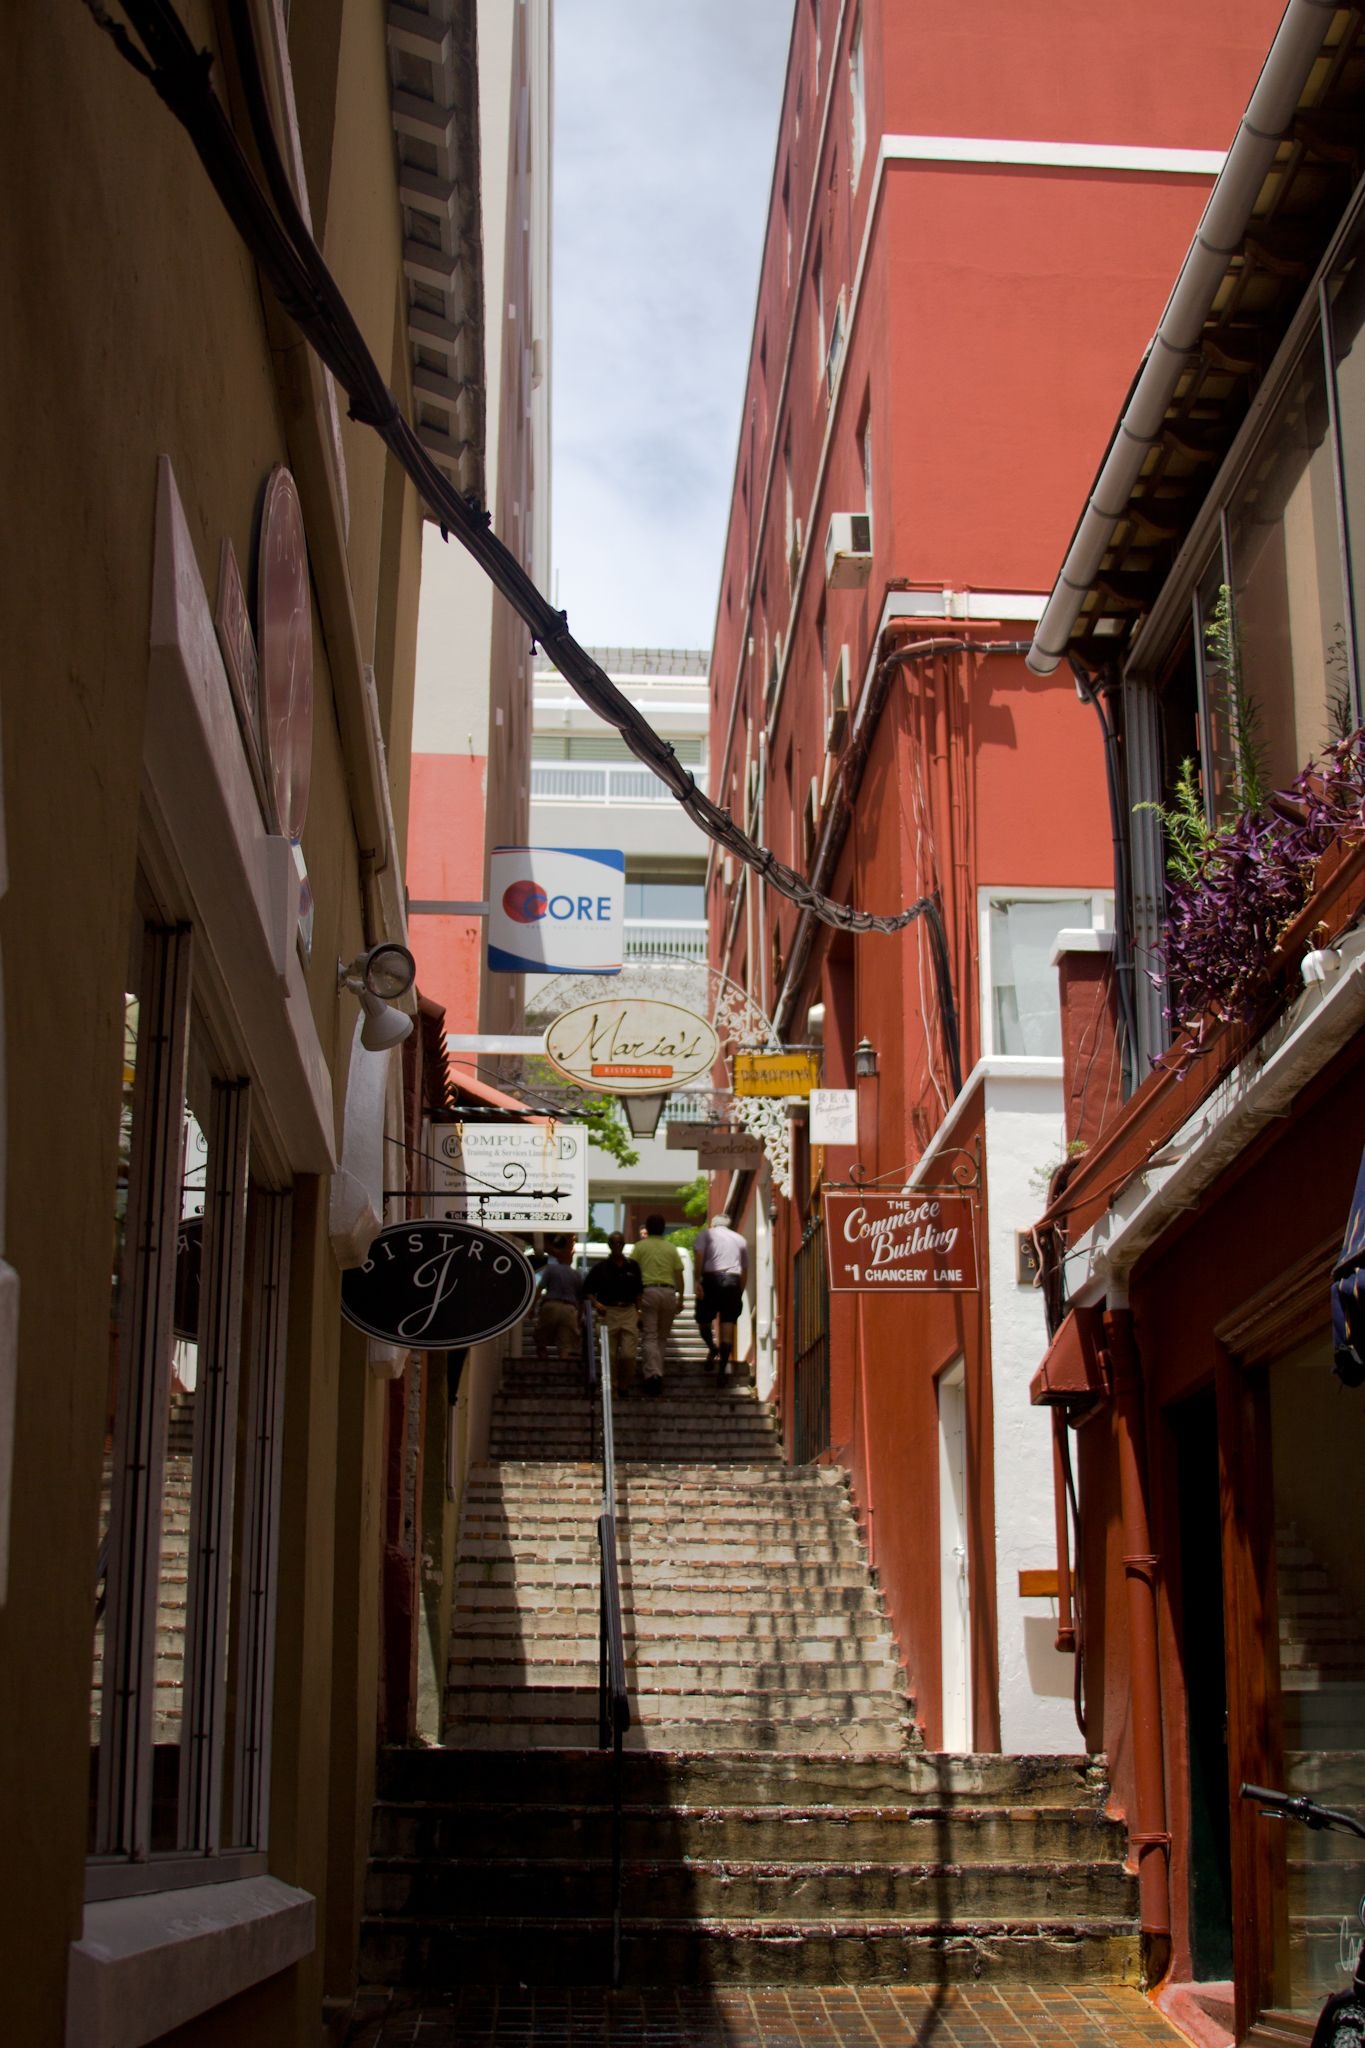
(437, 1286)
(629, 1046)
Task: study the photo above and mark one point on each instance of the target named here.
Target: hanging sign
(834, 1116)
(631, 1046)
(720, 1150)
(556, 909)
(912, 1243)
(437, 1286)
(775, 1073)
(512, 1175)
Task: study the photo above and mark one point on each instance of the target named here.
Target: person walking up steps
(661, 1271)
(615, 1284)
(721, 1260)
(560, 1291)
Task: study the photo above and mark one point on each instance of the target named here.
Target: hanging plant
(1230, 905)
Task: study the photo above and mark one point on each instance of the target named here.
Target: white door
(952, 1552)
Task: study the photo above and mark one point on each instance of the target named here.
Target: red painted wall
(446, 865)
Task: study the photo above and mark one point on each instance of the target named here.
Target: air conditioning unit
(837, 727)
(848, 550)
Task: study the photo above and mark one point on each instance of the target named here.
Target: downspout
(1066, 1629)
(1269, 112)
(1148, 1833)
(845, 794)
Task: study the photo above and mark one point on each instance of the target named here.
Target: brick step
(690, 1454)
(447, 1779)
(1333, 1777)
(666, 1641)
(753, 1507)
(529, 1573)
(829, 1738)
(957, 1835)
(670, 1642)
(656, 1554)
(808, 1702)
(662, 1601)
(979, 1951)
(566, 1888)
(647, 1676)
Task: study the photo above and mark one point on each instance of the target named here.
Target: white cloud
(665, 123)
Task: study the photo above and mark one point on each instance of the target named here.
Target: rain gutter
(1270, 110)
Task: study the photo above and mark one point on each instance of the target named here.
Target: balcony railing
(592, 782)
(670, 938)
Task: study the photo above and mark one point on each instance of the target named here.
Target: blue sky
(665, 124)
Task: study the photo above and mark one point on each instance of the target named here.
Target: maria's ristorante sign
(915, 1243)
(437, 1286)
(632, 1045)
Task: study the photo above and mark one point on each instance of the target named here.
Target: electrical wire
(270, 224)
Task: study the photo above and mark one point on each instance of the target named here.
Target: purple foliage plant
(1224, 924)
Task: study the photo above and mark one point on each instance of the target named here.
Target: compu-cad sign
(556, 909)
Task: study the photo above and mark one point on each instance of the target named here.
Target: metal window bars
(613, 1698)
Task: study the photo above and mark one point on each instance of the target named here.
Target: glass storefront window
(184, 1612)
(1317, 1445)
(1288, 596)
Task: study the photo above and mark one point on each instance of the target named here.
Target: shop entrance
(1203, 1658)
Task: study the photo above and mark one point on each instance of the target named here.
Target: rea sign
(901, 1244)
(556, 909)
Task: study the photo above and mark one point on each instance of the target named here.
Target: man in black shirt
(616, 1284)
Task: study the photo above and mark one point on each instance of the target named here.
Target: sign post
(775, 1073)
(922, 1241)
(512, 1176)
(631, 1045)
(437, 1286)
(556, 909)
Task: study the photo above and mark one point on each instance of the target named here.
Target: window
(1288, 596)
(836, 346)
(817, 285)
(857, 99)
(1021, 1012)
(665, 899)
(183, 1634)
(815, 33)
(787, 222)
(866, 437)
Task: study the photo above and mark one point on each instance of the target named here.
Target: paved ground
(1087, 2017)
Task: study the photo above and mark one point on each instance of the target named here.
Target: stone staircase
(750, 1618)
(494, 1868)
(1322, 1684)
(780, 1825)
(172, 1579)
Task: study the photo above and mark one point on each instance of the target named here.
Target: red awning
(465, 1082)
(1071, 1370)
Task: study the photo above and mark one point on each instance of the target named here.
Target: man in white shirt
(721, 1264)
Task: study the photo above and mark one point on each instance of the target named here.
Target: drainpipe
(1149, 1835)
(1066, 1627)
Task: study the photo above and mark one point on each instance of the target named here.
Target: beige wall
(133, 327)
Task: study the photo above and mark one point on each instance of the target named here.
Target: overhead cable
(268, 219)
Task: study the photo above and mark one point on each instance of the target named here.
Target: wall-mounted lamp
(865, 1060)
(643, 1113)
(380, 977)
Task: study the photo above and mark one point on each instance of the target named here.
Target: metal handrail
(613, 1700)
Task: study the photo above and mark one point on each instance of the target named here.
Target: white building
(587, 789)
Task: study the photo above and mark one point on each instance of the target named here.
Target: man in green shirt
(661, 1269)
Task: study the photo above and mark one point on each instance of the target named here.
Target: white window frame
(857, 93)
(1101, 920)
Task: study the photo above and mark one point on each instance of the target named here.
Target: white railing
(607, 782)
(672, 938)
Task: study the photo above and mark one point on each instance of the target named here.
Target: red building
(974, 221)
(1213, 593)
